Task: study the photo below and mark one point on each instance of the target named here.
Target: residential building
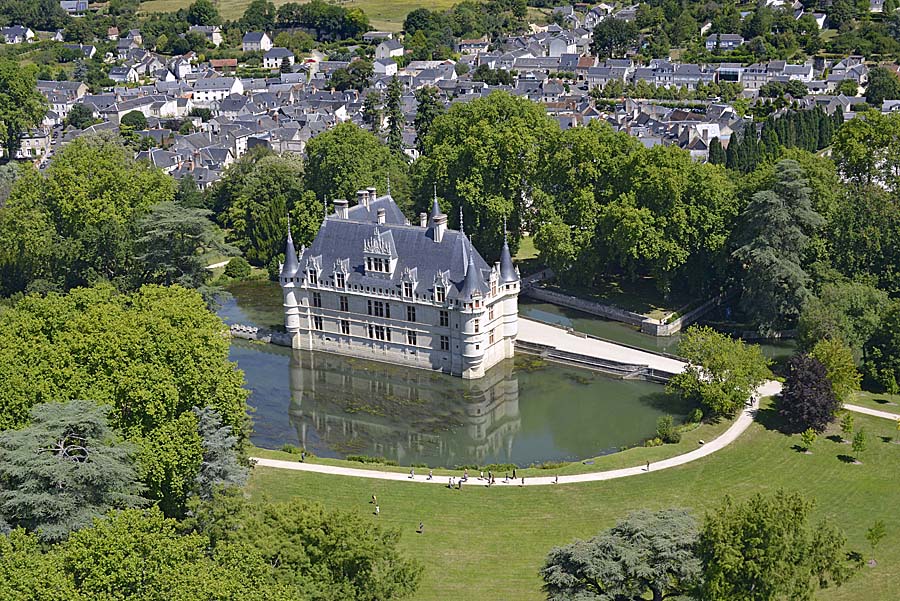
(372, 285)
(75, 8)
(276, 57)
(723, 41)
(212, 33)
(389, 49)
(16, 34)
(256, 41)
(384, 67)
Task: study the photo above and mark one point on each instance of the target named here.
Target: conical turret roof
(291, 264)
(472, 283)
(507, 269)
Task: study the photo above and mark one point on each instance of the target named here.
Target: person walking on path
(465, 474)
(481, 475)
(377, 510)
(451, 482)
(556, 479)
(523, 480)
(506, 477)
(374, 501)
(514, 473)
(430, 474)
(648, 466)
(412, 473)
(459, 485)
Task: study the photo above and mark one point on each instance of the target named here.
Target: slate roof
(340, 239)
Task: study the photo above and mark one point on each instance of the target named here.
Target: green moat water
(523, 411)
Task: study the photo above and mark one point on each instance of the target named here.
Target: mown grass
(383, 14)
(877, 400)
(493, 541)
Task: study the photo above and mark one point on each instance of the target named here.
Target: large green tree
(722, 373)
(22, 106)
(882, 352)
(808, 399)
(883, 85)
(771, 235)
(348, 158)
(317, 553)
(393, 108)
(63, 470)
(77, 225)
(767, 548)
(28, 573)
(646, 553)
(428, 108)
(151, 356)
(203, 12)
(846, 311)
(486, 157)
(612, 37)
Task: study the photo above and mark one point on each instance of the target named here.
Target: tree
(314, 553)
(141, 555)
(807, 399)
(63, 470)
(883, 85)
(859, 442)
(151, 356)
(766, 548)
(875, 534)
(80, 117)
(722, 373)
(849, 312)
(28, 573)
(771, 235)
(171, 242)
(840, 367)
(716, 152)
(428, 107)
(356, 76)
(347, 158)
(808, 438)
(259, 15)
(22, 106)
(134, 119)
(847, 426)
(220, 467)
(647, 552)
(76, 225)
(238, 268)
(848, 87)
(486, 157)
(882, 352)
(613, 37)
(371, 111)
(203, 12)
(394, 109)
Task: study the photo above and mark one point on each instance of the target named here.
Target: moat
(524, 411)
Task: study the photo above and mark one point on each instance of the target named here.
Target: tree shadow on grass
(799, 449)
(771, 420)
(887, 438)
(835, 438)
(846, 458)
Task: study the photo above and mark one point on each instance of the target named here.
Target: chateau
(374, 286)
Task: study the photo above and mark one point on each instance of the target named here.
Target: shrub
(369, 459)
(292, 449)
(550, 465)
(653, 442)
(695, 416)
(237, 268)
(666, 430)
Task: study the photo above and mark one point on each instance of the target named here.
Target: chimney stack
(362, 198)
(381, 215)
(340, 208)
(373, 193)
(423, 219)
(440, 226)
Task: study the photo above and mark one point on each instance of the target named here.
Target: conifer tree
(394, 111)
(717, 155)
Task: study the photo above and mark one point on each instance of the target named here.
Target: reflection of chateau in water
(352, 406)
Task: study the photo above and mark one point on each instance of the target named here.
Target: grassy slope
(495, 540)
(383, 14)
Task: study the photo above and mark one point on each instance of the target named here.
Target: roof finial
(289, 225)
(461, 228)
(388, 184)
(435, 190)
(504, 228)
(325, 208)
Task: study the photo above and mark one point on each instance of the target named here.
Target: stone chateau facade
(374, 286)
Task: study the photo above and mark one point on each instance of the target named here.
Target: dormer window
(340, 280)
(440, 295)
(313, 277)
(407, 289)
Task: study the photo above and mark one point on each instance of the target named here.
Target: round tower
(290, 284)
(509, 287)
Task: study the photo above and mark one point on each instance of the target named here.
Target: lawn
(639, 296)
(877, 400)
(494, 540)
(383, 14)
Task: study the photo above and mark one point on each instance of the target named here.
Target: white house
(123, 75)
(389, 49)
(256, 41)
(724, 41)
(16, 34)
(276, 57)
(212, 33)
(384, 66)
(216, 88)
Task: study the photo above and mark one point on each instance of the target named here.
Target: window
(387, 332)
(439, 294)
(368, 264)
(316, 299)
(376, 308)
(407, 289)
(313, 277)
(445, 343)
(410, 314)
(369, 302)
(477, 325)
(340, 280)
(345, 305)
(317, 322)
(387, 310)
(491, 337)
(445, 319)
(491, 313)
(345, 327)
(411, 337)
(376, 332)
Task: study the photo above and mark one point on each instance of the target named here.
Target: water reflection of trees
(352, 406)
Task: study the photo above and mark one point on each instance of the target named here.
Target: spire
(462, 230)
(435, 208)
(388, 184)
(507, 269)
(472, 282)
(291, 264)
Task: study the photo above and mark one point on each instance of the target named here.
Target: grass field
(383, 14)
(878, 400)
(490, 544)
